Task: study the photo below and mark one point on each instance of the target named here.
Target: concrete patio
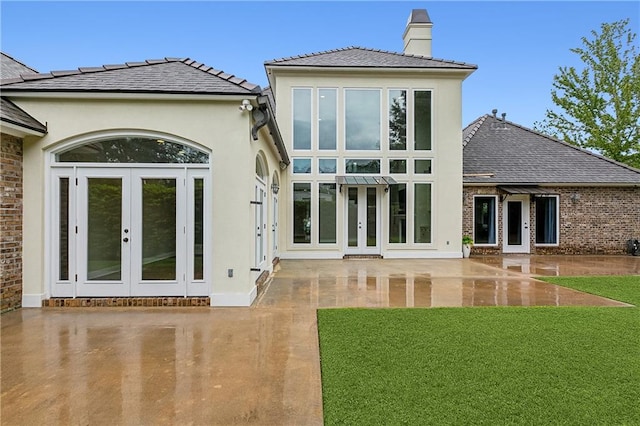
(259, 365)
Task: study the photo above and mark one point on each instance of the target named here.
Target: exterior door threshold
(362, 256)
(117, 302)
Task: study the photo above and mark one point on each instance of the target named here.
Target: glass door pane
(514, 225)
(104, 213)
(158, 229)
(372, 218)
(352, 217)
(198, 229)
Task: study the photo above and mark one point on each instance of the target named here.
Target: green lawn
(625, 289)
(491, 366)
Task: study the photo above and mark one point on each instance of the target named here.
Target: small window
(362, 166)
(547, 220)
(422, 213)
(398, 166)
(327, 165)
(327, 213)
(484, 220)
(422, 167)
(398, 213)
(302, 165)
(302, 213)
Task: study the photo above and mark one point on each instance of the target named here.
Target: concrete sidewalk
(229, 366)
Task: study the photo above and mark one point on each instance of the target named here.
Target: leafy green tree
(600, 104)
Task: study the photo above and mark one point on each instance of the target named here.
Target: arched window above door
(134, 149)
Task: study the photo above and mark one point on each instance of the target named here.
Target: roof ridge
(87, 70)
(343, 49)
(238, 81)
(478, 122)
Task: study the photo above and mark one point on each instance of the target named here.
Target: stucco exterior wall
(446, 154)
(10, 222)
(216, 125)
(593, 220)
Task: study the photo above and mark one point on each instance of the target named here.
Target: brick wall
(10, 222)
(593, 220)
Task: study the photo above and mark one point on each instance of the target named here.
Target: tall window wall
(363, 131)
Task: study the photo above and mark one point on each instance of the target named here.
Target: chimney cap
(419, 16)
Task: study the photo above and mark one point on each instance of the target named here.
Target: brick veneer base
(114, 302)
(593, 220)
(10, 223)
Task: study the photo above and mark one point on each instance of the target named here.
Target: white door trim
(361, 248)
(524, 245)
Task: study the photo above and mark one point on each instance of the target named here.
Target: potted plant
(467, 242)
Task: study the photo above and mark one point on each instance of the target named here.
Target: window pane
(302, 165)
(484, 227)
(327, 165)
(63, 246)
(302, 213)
(198, 229)
(362, 119)
(159, 229)
(361, 166)
(422, 120)
(546, 226)
(423, 167)
(104, 213)
(397, 119)
(422, 213)
(327, 212)
(327, 111)
(398, 213)
(301, 118)
(133, 150)
(397, 166)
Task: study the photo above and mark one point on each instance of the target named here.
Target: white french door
(138, 232)
(363, 220)
(516, 225)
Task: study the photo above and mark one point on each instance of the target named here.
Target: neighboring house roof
(169, 75)
(10, 113)
(360, 57)
(12, 68)
(501, 152)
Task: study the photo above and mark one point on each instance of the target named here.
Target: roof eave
(100, 94)
(448, 70)
(20, 130)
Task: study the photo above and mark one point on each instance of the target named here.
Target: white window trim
(557, 244)
(473, 219)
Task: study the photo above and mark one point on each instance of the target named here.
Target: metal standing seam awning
(365, 181)
(523, 190)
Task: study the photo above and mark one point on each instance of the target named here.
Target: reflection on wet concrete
(228, 366)
(564, 265)
(197, 366)
(413, 283)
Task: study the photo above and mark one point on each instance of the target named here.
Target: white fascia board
(18, 131)
(127, 96)
(461, 72)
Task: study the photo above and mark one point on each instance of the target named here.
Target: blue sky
(518, 46)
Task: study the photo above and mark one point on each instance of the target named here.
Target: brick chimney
(417, 35)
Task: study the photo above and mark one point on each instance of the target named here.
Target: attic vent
(499, 124)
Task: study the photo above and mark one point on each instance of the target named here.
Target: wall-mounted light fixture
(246, 105)
(275, 188)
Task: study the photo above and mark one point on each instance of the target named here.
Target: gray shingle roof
(11, 113)
(12, 68)
(514, 154)
(169, 75)
(360, 57)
